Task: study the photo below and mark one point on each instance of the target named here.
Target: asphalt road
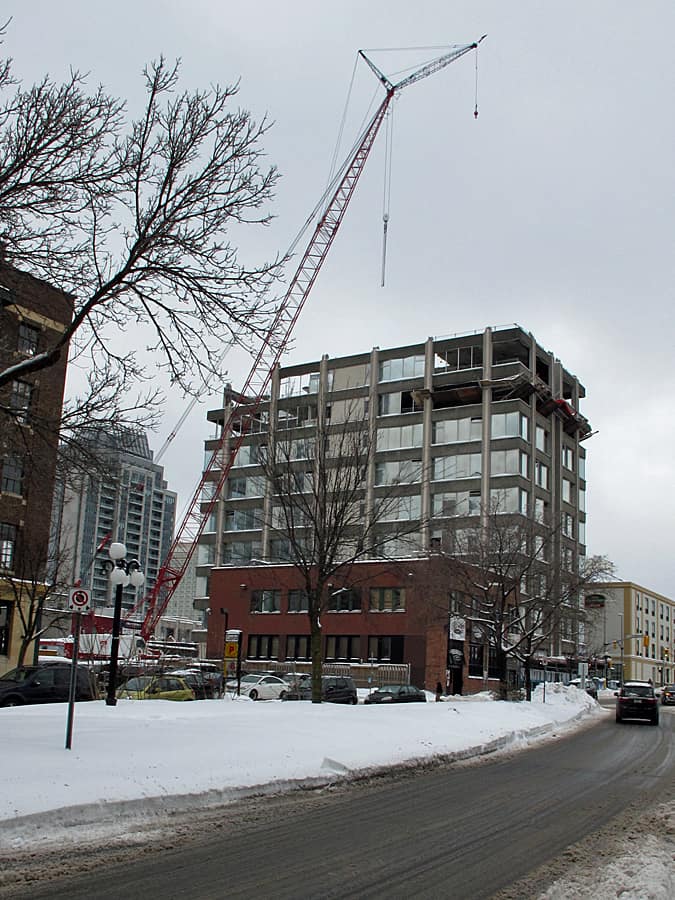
(451, 832)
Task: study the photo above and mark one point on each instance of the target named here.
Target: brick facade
(416, 635)
(33, 315)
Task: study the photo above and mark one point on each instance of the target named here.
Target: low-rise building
(33, 317)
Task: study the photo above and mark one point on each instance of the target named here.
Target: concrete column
(426, 442)
(372, 425)
(486, 433)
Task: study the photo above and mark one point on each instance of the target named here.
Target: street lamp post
(122, 573)
(622, 679)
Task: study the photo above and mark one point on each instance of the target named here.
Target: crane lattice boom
(273, 347)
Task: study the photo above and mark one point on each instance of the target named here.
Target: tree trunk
(502, 660)
(528, 679)
(317, 656)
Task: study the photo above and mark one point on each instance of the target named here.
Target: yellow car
(155, 687)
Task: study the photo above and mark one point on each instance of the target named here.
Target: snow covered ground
(146, 758)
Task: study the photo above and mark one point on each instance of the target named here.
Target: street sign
(79, 600)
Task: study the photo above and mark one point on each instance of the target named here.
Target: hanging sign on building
(457, 628)
(594, 601)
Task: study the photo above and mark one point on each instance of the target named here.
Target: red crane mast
(272, 348)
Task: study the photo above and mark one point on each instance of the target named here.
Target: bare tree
(40, 582)
(132, 219)
(510, 586)
(319, 510)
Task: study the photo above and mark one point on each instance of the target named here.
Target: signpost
(232, 658)
(80, 601)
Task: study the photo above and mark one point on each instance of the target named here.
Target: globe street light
(122, 573)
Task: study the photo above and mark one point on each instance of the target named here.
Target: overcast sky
(554, 209)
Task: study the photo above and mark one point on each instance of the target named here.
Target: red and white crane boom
(272, 348)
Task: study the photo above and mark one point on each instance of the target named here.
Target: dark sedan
(637, 700)
(668, 695)
(397, 693)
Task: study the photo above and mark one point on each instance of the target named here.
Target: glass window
(263, 646)
(457, 466)
(344, 600)
(265, 601)
(7, 544)
(393, 509)
(540, 510)
(206, 554)
(459, 358)
(399, 437)
(389, 404)
(582, 533)
(510, 424)
(5, 624)
(343, 646)
(28, 339)
(387, 599)
(582, 466)
(509, 462)
(450, 504)
(405, 471)
(242, 519)
(541, 471)
(451, 431)
(541, 439)
(236, 552)
(408, 367)
(297, 601)
(298, 646)
(12, 475)
(568, 525)
(509, 500)
(20, 400)
(568, 458)
(567, 490)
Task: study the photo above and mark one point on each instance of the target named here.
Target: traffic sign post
(80, 600)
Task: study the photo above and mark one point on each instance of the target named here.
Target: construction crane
(273, 347)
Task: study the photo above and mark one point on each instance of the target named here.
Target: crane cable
(475, 108)
(386, 198)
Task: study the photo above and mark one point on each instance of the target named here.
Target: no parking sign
(79, 600)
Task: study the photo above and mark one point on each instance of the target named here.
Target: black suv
(637, 700)
(334, 689)
(45, 683)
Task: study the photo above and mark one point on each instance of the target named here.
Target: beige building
(633, 626)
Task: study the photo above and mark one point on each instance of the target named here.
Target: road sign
(79, 600)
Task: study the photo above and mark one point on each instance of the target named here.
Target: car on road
(637, 700)
(668, 695)
(334, 689)
(397, 693)
(45, 683)
(263, 687)
(590, 687)
(155, 687)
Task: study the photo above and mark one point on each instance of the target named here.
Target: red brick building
(33, 315)
(378, 613)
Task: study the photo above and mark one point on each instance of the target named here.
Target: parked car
(45, 683)
(668, 695)
(590, 686)
(156, 687)
(397, 693)
(334, 689)
(637, 700)
(263, 687)
(202, 688)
